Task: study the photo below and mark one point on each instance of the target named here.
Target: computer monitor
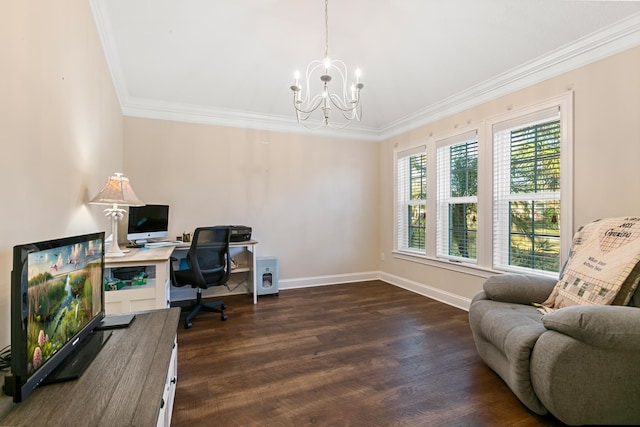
(148, 222)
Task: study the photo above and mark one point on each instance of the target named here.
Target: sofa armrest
(581, 384)
(518, 288)
(481, 295)
(604, 326)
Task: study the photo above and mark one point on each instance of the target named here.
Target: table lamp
(116, 192)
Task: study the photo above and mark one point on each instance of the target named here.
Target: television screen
(57, 300)
(148, 222)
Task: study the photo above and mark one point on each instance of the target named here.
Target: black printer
(240, 233)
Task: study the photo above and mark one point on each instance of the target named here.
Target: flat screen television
(148, 222)
(57, 300)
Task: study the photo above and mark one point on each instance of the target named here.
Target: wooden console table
(131, 382)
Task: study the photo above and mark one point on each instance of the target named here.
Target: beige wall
(606, 155)
(60, 127)
(312, 201)
(322, 206)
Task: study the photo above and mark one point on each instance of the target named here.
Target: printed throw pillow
(603, 266)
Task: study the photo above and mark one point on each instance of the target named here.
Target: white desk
(158, 292)
(243, 253)
(155, 294)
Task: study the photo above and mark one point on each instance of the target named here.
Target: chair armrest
(518, 288)
(604, 326)
(172, 273)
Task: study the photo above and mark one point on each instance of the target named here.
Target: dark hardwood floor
(360, 354)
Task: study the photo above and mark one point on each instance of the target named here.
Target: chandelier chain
(326, 28)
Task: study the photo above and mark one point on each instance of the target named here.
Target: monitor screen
(57, 300)
(148, 222)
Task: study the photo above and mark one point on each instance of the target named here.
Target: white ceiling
(231, 62)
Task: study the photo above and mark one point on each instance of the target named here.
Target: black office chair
(209, 265)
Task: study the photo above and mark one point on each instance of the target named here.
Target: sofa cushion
(518, 288)
(601, 326)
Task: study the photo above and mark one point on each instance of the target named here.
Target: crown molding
(616, 38)
(100, 16)
(623, 35)
(136, 107)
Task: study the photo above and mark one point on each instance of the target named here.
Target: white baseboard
(419, 288)
(428, 291)
(188, 293)
(306, 282)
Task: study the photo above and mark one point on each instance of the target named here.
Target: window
(457, 199)
(411, 195)
(500, 193)
(526, 205)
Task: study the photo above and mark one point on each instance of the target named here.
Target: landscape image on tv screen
(64, 294)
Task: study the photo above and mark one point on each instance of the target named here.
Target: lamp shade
(117, 191)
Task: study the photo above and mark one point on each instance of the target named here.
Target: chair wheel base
(188, 325)
(223, 317)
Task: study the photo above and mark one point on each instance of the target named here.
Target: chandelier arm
(349, 116)
(306, 97)
(354, 113)
(313, 125)
(310, 107)
(341, 68)
(311, 68)
(339, 103)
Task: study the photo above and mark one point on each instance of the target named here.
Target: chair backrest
(209, 257)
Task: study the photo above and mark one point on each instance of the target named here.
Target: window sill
(462, 267)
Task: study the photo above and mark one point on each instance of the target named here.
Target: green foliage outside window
(463, 217)
(534, 229)
(418, 192)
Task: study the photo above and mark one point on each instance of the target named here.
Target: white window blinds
(526, 192)
(411, 195)
(457, 198)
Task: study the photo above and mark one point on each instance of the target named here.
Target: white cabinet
(151, 295)
(164, 416)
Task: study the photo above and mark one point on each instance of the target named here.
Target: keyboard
(161, 244)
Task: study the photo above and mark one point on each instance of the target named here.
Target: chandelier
(345, 98)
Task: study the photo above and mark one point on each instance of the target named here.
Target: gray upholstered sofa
(581, 363)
